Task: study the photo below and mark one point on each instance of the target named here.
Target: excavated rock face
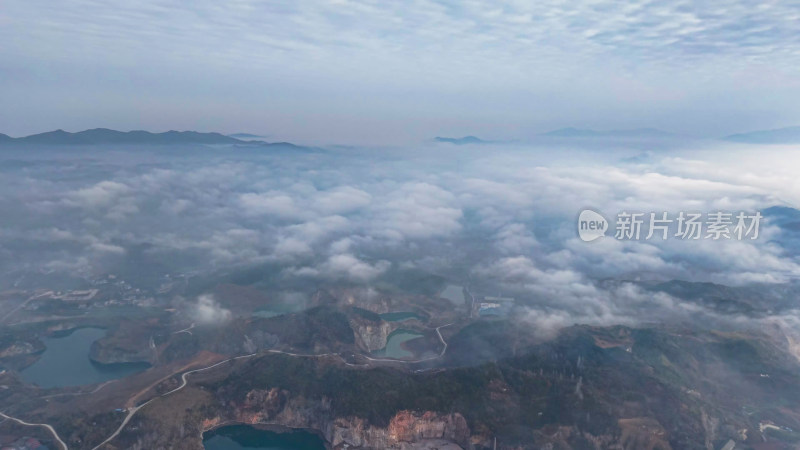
(270, 402)
(407, 426)
(371, 335)
(407, 430)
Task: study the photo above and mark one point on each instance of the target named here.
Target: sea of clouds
(498, 214)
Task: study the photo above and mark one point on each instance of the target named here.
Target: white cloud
(343, 267)
(102, 194)
(351, 268)
(341, 200)
(416, 210)
(271, 204)
(207, 311)
(506, 215)
(515, 238)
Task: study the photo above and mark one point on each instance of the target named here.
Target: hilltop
(105, 136)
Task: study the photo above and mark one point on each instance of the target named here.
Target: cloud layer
(498, 216)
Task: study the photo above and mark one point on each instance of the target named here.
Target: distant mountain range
(245, 136)
(462, 140)
(105, 136)
(786, 218)
(584, 133)
(789, 135)
(570, 132)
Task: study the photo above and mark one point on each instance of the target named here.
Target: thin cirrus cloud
(368, 71)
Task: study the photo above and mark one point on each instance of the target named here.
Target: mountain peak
(627, 133)
(245, 136)
(461, 141)
(787, 135)
(106, 136)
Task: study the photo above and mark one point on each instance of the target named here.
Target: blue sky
(397, 72)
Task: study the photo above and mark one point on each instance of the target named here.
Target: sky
(373, 72)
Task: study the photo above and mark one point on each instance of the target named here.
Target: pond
(394, 345)
(65, 362)
(276, 310)
(400, 315)
(454, 293)
(236, 437)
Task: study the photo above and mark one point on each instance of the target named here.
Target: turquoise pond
(454, 293)
(400, 316)
(394, 345)
(65, 362)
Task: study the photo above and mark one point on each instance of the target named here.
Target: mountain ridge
(568, 133)
(462, 140)
(244, 135)
(786, 135)
(572, 132)
(106, 136)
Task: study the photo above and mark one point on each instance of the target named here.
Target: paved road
(184, 380)
(185, 330)
(49, 428)
(70, 394)
(20, 306)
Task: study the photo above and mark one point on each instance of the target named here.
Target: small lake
(400, 315)
(394, 344)
(454, 293)
(276, 310)
(66, 362)
(236, 437)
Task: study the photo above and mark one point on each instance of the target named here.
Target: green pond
(394, 345)
(276, 310)
(236, 437)
(454, 293)
(400, 315)
(65, 362)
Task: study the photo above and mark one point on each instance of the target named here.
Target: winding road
(48, 427)
(70, 394)
(184, 381)
(185, 330)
